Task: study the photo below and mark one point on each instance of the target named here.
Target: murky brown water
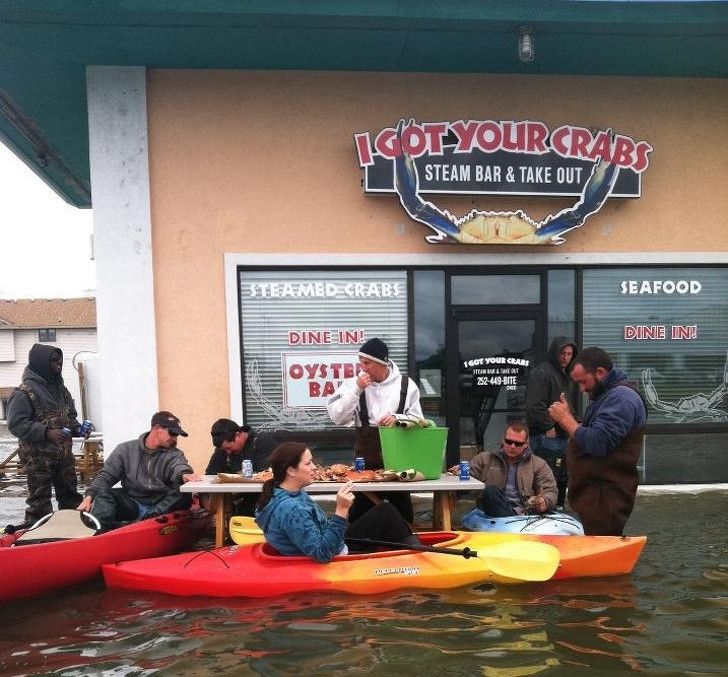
(669, 618)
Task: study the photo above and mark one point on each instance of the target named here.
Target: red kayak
(31, 569)
(254, 570)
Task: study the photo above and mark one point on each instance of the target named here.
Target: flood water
(670, 617)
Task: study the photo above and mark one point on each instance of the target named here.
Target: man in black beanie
(370, 400)
(42, 415)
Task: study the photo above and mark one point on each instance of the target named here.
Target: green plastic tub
(420, 448)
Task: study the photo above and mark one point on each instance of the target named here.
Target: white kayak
(551, 524)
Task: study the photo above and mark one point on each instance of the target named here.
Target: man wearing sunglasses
(515, 480)
(151, 470)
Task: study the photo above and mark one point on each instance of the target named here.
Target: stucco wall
(264, 162)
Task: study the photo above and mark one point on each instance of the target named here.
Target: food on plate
(339, 472)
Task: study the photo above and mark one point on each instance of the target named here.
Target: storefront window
(668, 329)
(485, 290)
(429, 316)
(561, 304)
(301, 331)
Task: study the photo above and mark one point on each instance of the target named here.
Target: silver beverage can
(247, 469)
(464, 471)
(359, 463)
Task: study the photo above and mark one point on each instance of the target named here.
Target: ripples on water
(669, 618)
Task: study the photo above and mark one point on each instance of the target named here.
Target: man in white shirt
(370, 400)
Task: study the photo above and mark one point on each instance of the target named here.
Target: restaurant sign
(491, 157)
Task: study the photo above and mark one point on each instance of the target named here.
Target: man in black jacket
(233, 444)
(39, 413)
(545, 384)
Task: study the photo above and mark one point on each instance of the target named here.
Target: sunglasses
(513, 443)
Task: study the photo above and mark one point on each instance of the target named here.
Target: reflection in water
(668, 618)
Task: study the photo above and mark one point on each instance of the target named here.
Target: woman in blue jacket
(295, 525)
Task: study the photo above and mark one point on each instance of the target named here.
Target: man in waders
(370, 400)
(605, 447)
(42, 415)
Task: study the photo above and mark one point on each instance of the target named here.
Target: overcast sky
(44, 242)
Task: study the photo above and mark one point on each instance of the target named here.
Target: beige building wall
(264, 162)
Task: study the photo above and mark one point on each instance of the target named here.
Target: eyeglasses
(513, 443)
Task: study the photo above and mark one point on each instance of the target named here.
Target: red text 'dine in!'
(325, 337)
(658, 332)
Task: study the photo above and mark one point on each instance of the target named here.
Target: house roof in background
(47, 44)
(48, 313)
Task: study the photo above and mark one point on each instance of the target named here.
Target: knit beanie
(375, 349)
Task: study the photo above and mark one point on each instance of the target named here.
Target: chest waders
(48, 464)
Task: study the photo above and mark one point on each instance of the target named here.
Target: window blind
(668, 329)
(301, 331)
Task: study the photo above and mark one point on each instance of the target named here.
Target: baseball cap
(168, 421)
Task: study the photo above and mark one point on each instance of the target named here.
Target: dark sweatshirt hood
(39, 361)
(555, 348)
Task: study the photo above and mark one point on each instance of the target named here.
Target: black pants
(380, 523)
(115, 505)
(493, 503)
(244, 504)
(48, 466)
(400, 500)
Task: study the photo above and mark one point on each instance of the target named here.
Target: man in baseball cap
(151, 470)
(168, 421)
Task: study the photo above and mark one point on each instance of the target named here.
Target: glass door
(488, 365)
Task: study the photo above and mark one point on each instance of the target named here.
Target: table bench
(443, 490)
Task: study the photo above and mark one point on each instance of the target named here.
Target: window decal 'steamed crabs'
(698, 407)
(485, 227)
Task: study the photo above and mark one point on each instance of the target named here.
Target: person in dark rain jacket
(546, 382)
(38, 412)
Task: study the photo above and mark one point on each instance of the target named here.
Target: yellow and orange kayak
(580, 556)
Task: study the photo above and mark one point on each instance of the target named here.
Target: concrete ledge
(642, 490)
(680, 488)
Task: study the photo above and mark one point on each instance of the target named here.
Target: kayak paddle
(526, 561)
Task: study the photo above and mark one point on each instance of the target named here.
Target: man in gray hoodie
(42, 415)
(151, 470)
(546, 382)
